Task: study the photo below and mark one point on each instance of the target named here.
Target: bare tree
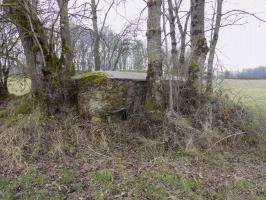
(199, 48)
(172, 21)
(183, 29)
(8, 54)
(67, 50)
(220, 20)
(49, 83)
(82, 43)
(166, 61)
(154, 51)
(96, 45)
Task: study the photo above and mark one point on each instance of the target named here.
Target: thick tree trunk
(154, 45)
(199, 49)
(213, 44)
(96, 45)
(48, 80)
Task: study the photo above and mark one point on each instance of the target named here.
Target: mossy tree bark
(199, 49)
(48, 78)
(154, 98)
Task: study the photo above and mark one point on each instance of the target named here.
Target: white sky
(244, 46)
(239, 46)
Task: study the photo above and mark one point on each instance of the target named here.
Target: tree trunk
(154, 95)
(48, 80)
(96, 45)
(174, 55)
(183, 37)
(213, 44)
(168, 65)
(28, 44)
(3, 91)
(3, 83)
(67, 55)
(4, 74)
(173, 35)
(199, 49)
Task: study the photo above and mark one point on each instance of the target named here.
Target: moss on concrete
(90, 78)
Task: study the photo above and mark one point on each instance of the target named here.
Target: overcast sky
(239, 46)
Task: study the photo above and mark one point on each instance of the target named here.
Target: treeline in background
(256, 73)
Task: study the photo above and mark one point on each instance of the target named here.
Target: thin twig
(229, 136)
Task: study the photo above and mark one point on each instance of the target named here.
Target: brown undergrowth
(26, 135)
(215, 120)
(71, 157)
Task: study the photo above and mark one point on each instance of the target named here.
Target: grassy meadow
(251, 93)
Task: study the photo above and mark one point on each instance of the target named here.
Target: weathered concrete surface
(108, 93)
(134, 76)
(137, 76)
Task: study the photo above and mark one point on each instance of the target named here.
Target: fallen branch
(229, 136)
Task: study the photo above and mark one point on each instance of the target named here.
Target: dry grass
(216, 121)
(27, 135)
(26, 138)
(74, 158)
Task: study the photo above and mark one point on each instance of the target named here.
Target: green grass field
(251, 92)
